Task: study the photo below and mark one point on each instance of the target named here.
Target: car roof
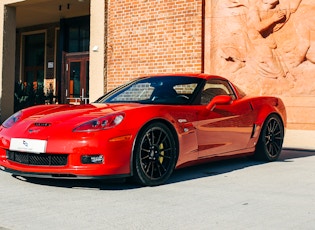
(197, 75)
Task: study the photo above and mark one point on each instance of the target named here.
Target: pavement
(299, 139)
(237, 194)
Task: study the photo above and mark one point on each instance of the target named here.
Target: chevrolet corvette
(143, 130)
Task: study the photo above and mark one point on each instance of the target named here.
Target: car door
(225, 128)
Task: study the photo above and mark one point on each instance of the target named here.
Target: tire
(270, 141)
(155, 155)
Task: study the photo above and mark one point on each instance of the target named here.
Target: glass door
(77, 80)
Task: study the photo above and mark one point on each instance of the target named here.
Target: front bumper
(116, 163)
(60, 175)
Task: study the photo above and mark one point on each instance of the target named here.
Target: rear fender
(266, 106)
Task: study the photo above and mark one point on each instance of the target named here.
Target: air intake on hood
(42, 124)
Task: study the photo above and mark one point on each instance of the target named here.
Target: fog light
(92, 159)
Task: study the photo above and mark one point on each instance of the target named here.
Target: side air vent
(42, 124)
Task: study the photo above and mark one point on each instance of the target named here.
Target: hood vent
(42, 124)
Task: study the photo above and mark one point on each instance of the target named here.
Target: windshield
(156, 90)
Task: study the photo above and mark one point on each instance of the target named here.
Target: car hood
(75, 113)
(65, 117)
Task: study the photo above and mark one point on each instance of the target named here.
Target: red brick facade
(147, 37)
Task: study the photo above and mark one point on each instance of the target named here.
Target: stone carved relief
(266, 46)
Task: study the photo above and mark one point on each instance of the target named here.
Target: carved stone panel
(267, 47)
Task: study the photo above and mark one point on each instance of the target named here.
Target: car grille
(42, 159)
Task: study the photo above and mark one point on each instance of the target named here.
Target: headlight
(101, 123)
(12, 120)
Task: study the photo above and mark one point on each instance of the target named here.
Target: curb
(299, 139)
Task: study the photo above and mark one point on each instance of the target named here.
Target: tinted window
(156, 90)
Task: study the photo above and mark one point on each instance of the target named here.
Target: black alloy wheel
(270, 141)
(155, 155)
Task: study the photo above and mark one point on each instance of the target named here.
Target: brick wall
(147, 37)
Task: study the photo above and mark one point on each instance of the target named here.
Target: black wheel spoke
(277, 147)
(270, 149)
(159, 168)
(279, 138)
(274, 126)
(162, 166)
(147, 167)
(168, 149)
(165, 156)
(278, 133)
(149, 138)
(145, 150)
(273, 150)
(159, 138)
(144, 157)
(152, 137)
(164, 139)
(152, 170)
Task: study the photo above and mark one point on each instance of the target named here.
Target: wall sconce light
(95, 48)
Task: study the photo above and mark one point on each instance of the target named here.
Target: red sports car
(144, 129)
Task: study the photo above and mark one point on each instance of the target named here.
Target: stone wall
(267, 48)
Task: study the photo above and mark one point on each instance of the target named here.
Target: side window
(215, 87)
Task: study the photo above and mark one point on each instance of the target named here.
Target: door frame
(83, 58)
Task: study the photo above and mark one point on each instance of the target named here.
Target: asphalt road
(234, 194)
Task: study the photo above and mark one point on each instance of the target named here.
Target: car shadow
(288, 154)
(226, 166)
(180, 175)
(106, 184)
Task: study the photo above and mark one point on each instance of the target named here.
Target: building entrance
(77, 78)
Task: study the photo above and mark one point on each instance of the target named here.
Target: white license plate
(28, 145)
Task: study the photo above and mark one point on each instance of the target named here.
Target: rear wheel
(270, 141)
(155, 155)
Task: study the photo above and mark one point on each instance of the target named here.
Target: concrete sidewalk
(299, 139)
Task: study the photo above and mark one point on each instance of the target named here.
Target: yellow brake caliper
(161, 157)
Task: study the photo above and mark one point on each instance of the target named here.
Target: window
(76, 32)
(79, 37)
(34, 58)
(215, 87)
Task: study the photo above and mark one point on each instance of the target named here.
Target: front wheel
(270, 141)
(155, 155)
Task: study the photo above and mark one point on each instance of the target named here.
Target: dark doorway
(34, 57)
(74, 41)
